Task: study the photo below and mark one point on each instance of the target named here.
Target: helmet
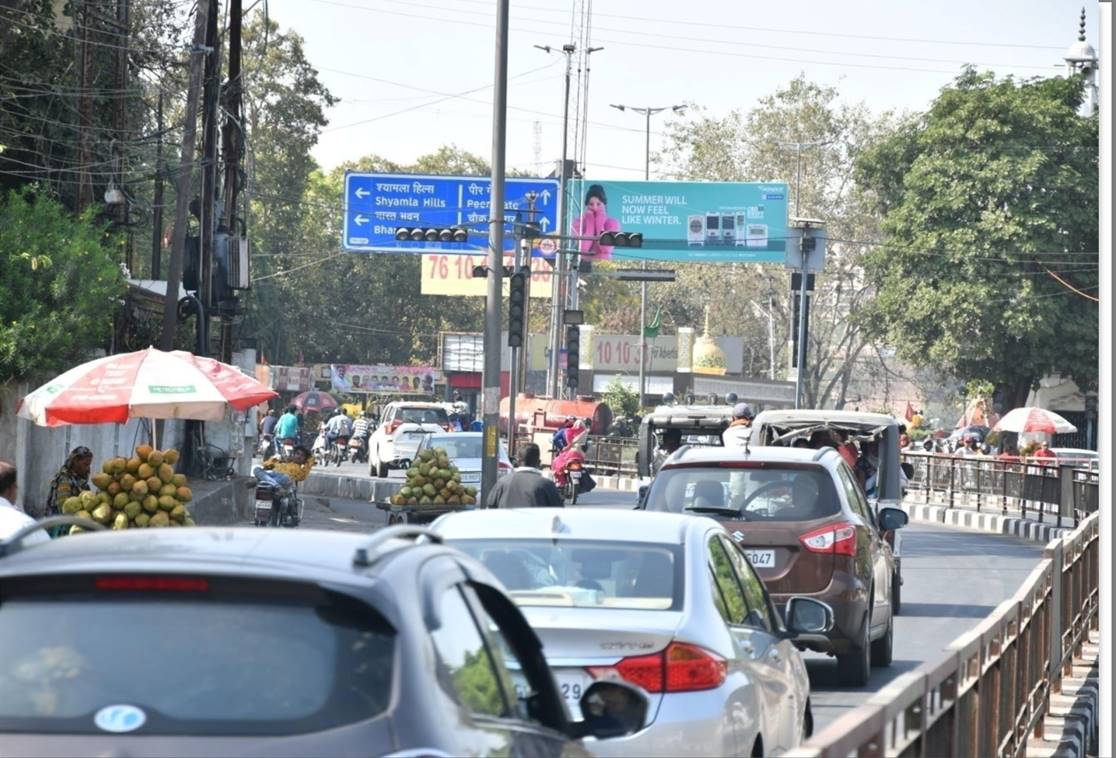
(743, 410)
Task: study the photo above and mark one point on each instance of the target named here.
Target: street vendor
(71, 479)
(298, 468)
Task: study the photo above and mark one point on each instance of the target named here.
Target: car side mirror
(807, 617)
(891, 518)
(610, 709)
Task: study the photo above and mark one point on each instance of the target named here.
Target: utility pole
(85, 111)
(185, 166)
(647, 113)
(121, 119)
(558, 283)
(157, 212)
(208, 204)
(231, 147)
(490, 397)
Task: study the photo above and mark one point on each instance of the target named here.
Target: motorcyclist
(573, 452)
(361, 427)
(558, 441)
(284, 477)
(267, 431)
(338, 426)
(287, 426)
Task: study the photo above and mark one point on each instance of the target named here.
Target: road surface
(952, 579)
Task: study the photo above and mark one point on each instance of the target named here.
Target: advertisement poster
(451, 274)
(692, 222)
(420, 380)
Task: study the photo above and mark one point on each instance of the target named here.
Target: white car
(664, 601)
(464, 450)
(402, 427)
(1077, 457)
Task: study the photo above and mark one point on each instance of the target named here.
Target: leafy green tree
(988, 200)
(61, 285)
(621, 399)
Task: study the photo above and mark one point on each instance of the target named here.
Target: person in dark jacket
(526, 487)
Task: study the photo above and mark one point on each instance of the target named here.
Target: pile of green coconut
(433, 481)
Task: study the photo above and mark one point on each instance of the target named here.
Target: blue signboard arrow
(378, 205)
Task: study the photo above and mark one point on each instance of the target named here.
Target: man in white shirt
(12, 519)
(740, 430)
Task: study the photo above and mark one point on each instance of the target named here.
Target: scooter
(320, 450)
(266, 446)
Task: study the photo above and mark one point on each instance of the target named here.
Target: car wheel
(381, 468)
(896, 593)
(855, 666)
(808, 721)
(882, 648)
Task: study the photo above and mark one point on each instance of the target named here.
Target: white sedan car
(664, 601)
(465, 450)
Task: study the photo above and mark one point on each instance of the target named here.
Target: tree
(61, 284)
(757, 146)
(620, 399)
(988, 200)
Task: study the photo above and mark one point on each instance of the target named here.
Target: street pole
(647, 113)
(490, 398)
(182, 190)
(800, 377)
(231, 142)
(157, 213)
(558, 283)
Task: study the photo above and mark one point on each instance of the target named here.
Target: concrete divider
(228, 501)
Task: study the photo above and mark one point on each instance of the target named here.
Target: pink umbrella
(313, 400)
(1035, 421)
(145, 384)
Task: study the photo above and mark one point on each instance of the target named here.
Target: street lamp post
(647, 113)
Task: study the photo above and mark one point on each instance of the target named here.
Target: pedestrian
(1044, 453)
(12, 518)
(526, 487)
(739, 431)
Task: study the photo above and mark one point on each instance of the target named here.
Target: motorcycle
(266, 447)
(320, 449)
(570, 475)
(286, 448)
(573, 482)
(339, 451)
(277, 500)
(358, 450)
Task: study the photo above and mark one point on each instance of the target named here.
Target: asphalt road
(952, 579)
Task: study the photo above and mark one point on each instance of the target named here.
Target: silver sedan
(664, 601)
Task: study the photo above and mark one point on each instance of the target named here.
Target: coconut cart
(432, 487)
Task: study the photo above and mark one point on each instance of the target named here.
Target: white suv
(401, 429)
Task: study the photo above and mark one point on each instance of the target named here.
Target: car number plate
(761, 558)
(470, 478)
(572, 684)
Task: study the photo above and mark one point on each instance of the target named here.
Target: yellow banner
(453, 275)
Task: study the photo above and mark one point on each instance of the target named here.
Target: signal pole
(490, 397)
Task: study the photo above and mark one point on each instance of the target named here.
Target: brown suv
(807, 529)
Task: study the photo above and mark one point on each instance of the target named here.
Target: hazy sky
(416, 75)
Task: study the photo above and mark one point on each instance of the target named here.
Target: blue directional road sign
(376, 205)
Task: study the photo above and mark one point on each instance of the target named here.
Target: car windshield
(254, 667)
(423, 416)
(583, 573)
(458, 447)
(770, 492)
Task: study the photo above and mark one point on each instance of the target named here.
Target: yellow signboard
(453, 275)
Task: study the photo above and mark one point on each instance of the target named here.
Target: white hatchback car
(402, 427)
(664, 601)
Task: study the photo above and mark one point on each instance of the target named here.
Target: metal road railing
(1033, 490)
(612, 456)
(991, 690)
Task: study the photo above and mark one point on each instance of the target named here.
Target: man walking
(526, 487)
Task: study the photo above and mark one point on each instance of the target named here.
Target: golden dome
(708, 357)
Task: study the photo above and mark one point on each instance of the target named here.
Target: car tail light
(151, 584)
(839, 539)
(678, 668)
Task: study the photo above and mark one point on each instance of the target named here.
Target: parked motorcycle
(277, 501)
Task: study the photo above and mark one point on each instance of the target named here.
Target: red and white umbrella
(1034, 421)
(145, 384)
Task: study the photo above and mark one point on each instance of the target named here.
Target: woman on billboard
(594, 222)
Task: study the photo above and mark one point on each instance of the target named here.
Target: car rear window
(458, 447)
(771, 492)
(193, 664)
(423, 416)
(584, 573)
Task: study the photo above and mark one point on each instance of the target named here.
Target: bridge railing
(991, 690)
(1058, 493)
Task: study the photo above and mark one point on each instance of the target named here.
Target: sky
(413, 75)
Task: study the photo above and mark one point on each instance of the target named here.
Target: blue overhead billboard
(377, 205)
(694, 222)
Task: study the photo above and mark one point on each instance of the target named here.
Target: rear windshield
(772, 493)
(423, 416)
(584, 574)
(191, 666)
(458, 447)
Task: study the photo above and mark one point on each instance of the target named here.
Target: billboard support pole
(800, 377)
(490, 399)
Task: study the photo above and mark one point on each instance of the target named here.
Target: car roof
(604, 524)
(816, 416)
(454, 434)
(306, 554)
(780, 454)
(690, 415)
(419, 404)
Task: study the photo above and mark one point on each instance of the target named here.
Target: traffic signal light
(573, 355)
(431, 234)
(517, 309)
(622, 239)
(809, 244)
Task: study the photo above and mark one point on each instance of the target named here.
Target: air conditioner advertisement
(696, 222)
